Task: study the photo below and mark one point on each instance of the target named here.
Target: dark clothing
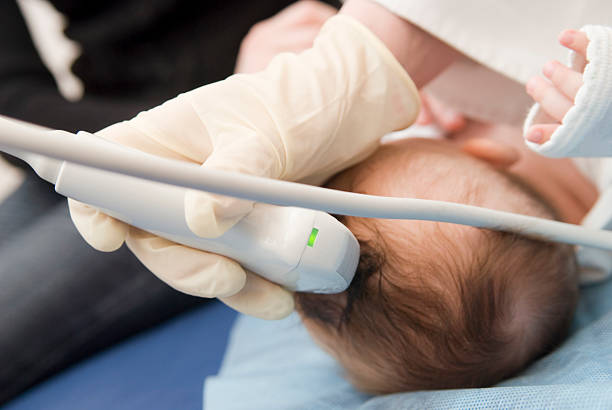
(135, 55)
(61, 301)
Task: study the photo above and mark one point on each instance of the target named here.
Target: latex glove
(305, 117)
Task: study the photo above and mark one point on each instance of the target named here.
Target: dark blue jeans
(60, 300)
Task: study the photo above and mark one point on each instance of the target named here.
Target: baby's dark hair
(435, 305)
(449, 311)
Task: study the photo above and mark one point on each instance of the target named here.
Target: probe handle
(272, 241)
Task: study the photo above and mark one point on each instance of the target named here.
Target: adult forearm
(422, 55)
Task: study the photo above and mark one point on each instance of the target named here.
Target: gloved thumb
(209, 215)
(262, 299)
(100, 231)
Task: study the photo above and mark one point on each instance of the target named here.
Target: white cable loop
(89, 150)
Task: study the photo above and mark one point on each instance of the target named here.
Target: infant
(437, 305)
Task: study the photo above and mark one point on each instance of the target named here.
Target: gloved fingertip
(283, 307)
(262, 299)
(210, 216)
(223, 279)
(276, 308)
(107, 242)
(186, 269)
(100, 231)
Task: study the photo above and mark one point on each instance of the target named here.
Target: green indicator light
(313, 237)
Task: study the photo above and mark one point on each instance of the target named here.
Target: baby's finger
(447, 118)
(552, 100)
(425, 117)
(565, 79)
(540, 133)
(575, 40)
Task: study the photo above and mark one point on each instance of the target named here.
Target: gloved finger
(552, 100)
(540, 133)
(171, 130)
(188, 270)
(210, 215)
(261, 298)
(100, 231)
(565, 79)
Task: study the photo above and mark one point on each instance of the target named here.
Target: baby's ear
(496, 153)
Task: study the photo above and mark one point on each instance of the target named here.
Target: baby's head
(436, 305)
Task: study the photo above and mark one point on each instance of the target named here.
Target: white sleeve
(514, 38)
(511, 39)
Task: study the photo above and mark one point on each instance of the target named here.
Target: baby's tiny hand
(436, 112)
(556, 93)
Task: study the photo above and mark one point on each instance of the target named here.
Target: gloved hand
(304, 118)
